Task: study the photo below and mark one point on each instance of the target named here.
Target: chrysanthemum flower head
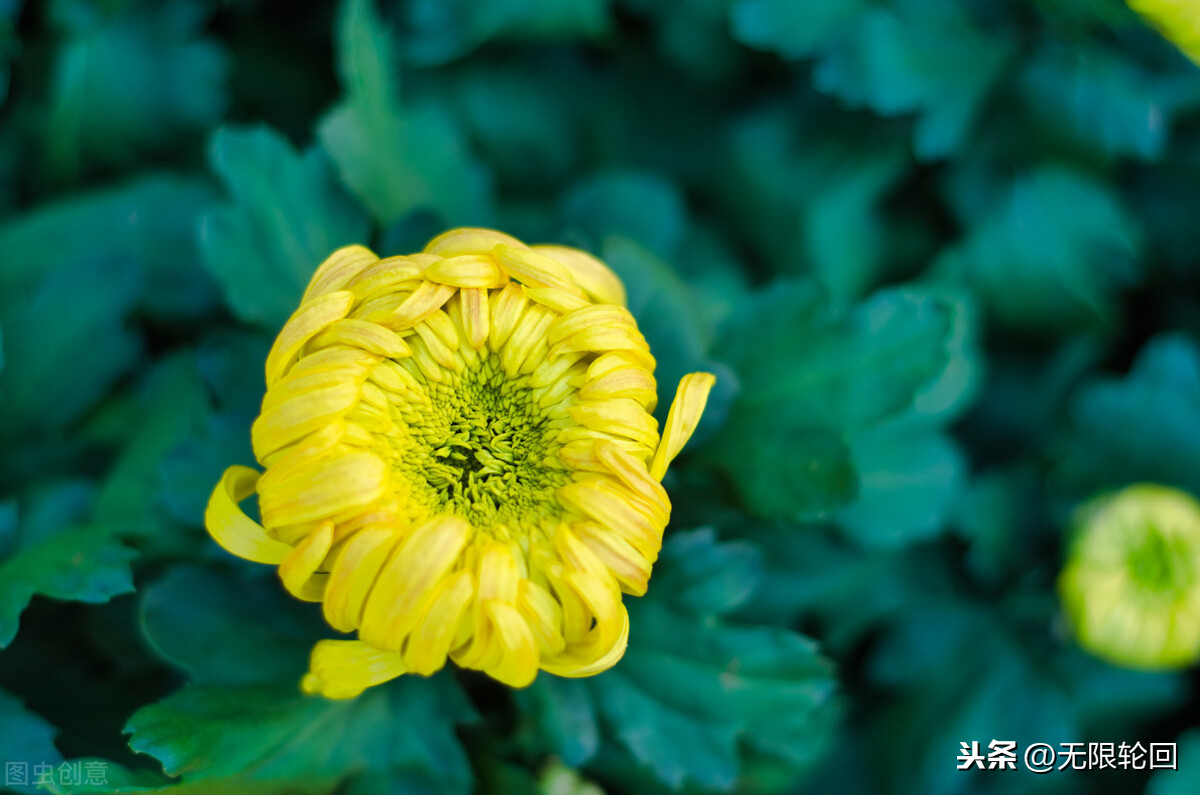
(1131, 586)
(460, 461)
(1178, 20)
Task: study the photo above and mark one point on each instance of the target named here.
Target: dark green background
(941, 255)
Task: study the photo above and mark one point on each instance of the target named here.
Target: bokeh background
(941, 255)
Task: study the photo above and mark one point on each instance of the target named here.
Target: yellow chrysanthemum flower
(1177, 20)
(1131, 586)
(460, 461)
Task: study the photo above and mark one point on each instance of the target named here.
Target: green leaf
(442, 30)
(189, 472)
(520, 124)
(793, 30)
(1051, 253)
(285, 216)
(917, 57)
(564, 717)
(1097, 99)
(27, 740)
(1143, 427)
(968, 671)
(66, 343)
(907, 480)
(149, 222)
(812, 374)
(171, 407)
(642, 206)
(693, 693)
(222, 627)
(269, 735)
(814, 575)
(811, 188)
(82, 564)
(146, 71)
(395, 159)
(697, 574)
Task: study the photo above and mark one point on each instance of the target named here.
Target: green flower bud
(1131, 585)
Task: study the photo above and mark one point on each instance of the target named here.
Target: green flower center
(480, 449)
(1159, 563)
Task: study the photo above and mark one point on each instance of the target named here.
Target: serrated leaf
(1050, 254)
(66, 343)
(641, 206)
(146, 71)
(395, 159)
(917, 57)
(907, 481)
(1142, 427)
(793, 30)
(565, 717)
(811, 188)
(210, 623)
(149, 222)
(441, 30)
(697, 574)
(812, 374)
(967, 670)
(1097, 99)
(270, 734)
(27, 739)
(83, 564)
(171, 408)
(520, 124)
(285, 216)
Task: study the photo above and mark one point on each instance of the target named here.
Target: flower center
(481, 448)
(1159, 563)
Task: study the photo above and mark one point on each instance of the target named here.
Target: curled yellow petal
(690, 399)
(340, 669)
(232, 528)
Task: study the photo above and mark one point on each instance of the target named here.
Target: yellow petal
(619, 417)
(341, 266)
(299, 571)
(362, 335)
(408, 579)
(423, 302)
(432, 638)
(467, 270)
(300, 414)
(469, 240)
(508, 305)
(474, 307)
(232, 528)
(354, 574)
(628, 566)
(534, 269)
(340, 669)
(617, 509)
(328, 488)
(596, 278)
(302, 326)
(633, 473)
(519, 659)
(623, 382)
(690, 398)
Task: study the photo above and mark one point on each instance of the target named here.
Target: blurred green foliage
(940, 255)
